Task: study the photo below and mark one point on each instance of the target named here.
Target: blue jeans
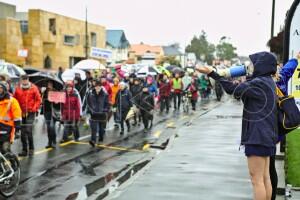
(97, 126)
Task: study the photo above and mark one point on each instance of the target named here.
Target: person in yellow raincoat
(10, 116)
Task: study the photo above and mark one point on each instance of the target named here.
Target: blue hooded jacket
(258, 94)
(285, 74)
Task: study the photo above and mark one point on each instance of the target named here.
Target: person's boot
(23, 154)
(92, 143)
(31, 152)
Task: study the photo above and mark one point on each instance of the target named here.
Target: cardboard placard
(57, 97)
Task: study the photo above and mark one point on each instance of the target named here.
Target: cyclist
(10, 117)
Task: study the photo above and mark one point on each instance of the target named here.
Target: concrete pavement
(204, 162)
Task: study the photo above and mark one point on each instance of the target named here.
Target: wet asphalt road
(203, 162)
(68, 171)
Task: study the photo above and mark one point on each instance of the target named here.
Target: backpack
(288, 113)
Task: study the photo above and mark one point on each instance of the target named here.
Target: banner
(100, 53)
(57, 97)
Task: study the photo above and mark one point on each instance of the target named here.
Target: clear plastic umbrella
(89, 64)
(70, 74)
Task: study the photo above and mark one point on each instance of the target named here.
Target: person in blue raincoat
(285, 74)
(259, 125)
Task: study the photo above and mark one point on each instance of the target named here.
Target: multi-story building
(118, 44)
(143, 53)
(49, 40)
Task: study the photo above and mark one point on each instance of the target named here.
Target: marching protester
(10, 116)
(98, 107)
(114, 91)
(146, 106)
(50, 111)
(164, 94)
(259, 132)
(71, 113)
(123, 104)
(192, 88)
(136, 90)
(29, 98)
(176, 89)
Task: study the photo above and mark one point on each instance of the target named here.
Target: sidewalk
(204, 162)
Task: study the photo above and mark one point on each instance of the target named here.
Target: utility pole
(273, 18)
(86, 36)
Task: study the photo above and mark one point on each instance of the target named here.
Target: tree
(170, 60)
(202, 48)
(225, 50)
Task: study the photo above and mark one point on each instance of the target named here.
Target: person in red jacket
(29, 99)
(164, 94)
(71, 113)
(192, 88)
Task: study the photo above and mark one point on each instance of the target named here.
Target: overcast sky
(162, 22)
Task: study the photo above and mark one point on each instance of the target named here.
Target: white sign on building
(100, 53)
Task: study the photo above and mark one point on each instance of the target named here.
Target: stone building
(50, 40)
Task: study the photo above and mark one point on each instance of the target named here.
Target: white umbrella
(69, 74)
(11, 70)
(147, 70)
(89, 64)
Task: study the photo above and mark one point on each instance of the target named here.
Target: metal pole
(86, 36)
(273, 17)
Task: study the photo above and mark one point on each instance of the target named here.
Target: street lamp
(272, 20)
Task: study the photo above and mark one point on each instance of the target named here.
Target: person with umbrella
(71, 113)
(176, 89)
(30, 100)
(50, 110)
(146, 106)
(136, 90)
(164, 93)
(98, 107)
(123, 104)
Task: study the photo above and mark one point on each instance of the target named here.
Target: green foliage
(293, 158)
(225, 50)
(202, 48)
(171, 60)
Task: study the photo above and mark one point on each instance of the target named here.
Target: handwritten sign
(57, 97)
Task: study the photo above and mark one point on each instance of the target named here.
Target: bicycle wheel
(10, 186)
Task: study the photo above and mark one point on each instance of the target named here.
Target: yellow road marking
(157, 134)
(146, 147)
(184, 117)
(111, 147)
(66, 143)
(43, 151)
(171, 125)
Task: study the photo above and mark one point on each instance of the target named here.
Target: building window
(52, 26)
(24, 26)
(93, 39)
(69, 40)
(47, 62)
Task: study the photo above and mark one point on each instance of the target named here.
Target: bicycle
(10, 172)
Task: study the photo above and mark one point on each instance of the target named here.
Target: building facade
(143, 53)
(51, 40)
(118, 44)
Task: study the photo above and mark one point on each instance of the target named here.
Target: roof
(171, 51)
(116, 39)
(141, 49)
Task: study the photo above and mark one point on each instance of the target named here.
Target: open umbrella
(147, 70)
(69, 74)
(41, 79)
(89, 64)
(11, 70)
(31, 70)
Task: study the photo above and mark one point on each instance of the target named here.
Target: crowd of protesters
(128, 100)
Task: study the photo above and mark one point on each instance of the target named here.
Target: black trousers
(146, 117)
(177, 100)
(50, 121)
(26, 132)
(123, 119)
(193, 102)
(164, 103)
(273, 177)
(71, 127)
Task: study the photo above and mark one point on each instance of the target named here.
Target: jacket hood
(264, 63)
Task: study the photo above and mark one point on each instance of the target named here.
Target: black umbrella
(41, 79)
(171, 67)
(31, 70)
